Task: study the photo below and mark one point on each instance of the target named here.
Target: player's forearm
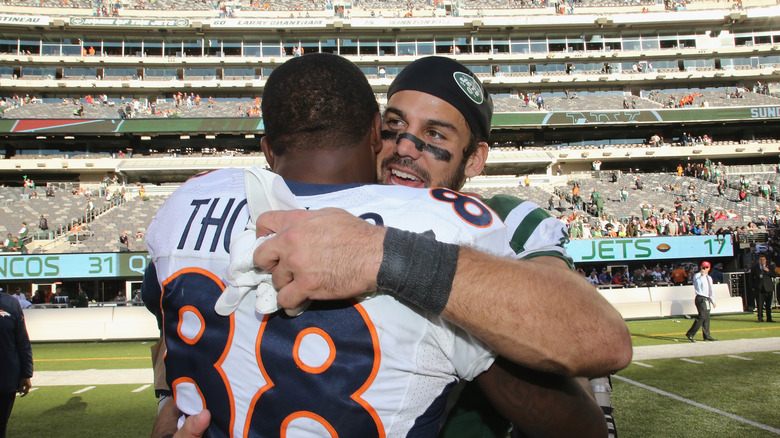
(542, 404)
(538, 313)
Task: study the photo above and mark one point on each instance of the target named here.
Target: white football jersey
(369, 367)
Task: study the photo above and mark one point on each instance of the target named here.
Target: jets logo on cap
(469, 86)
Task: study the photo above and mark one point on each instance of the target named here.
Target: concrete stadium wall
(91, 324)
(657, 302)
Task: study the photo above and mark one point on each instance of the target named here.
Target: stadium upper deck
(604, 54)
(59, 52)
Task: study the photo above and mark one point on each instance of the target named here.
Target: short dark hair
(317, 101)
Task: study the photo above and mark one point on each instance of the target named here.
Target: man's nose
(406, 147)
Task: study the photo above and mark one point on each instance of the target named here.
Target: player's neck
(327, 167)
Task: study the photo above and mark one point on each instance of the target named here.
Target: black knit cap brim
(450, 81)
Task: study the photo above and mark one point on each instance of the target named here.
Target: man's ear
(376, 133)
(267, 151)
(476, 161)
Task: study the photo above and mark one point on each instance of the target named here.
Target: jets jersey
(370, 367)
(533, 233)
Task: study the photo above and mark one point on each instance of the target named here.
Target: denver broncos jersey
(368, 367)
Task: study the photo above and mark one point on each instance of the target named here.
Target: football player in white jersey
(434, 135)
(370, 367)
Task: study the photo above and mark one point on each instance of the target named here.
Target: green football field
(706, 396)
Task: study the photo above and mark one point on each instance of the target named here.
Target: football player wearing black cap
(435, 132)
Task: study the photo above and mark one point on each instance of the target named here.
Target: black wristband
(418, 269)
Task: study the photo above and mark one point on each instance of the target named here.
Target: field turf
(709, 396)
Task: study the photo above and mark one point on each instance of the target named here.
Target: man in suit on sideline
(762, 281)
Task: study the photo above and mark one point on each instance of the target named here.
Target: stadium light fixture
(40, 137)
(69, 137)
(249, 136)
(146, 137)
(184, 137)
(211, 137)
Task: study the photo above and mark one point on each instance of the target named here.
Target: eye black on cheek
(387, 134)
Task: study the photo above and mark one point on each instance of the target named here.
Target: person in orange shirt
(679, 276)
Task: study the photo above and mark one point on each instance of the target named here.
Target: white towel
(265, 191)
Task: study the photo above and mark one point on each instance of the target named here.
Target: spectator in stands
(623, 194)
(597, 201)
(38, 297)
(617, 278)
(638, 183)
(82, 300)
(124, 242)
(605, 277)
(43, 223)
(120, 297)
(23, 232)
(632, 230)
(679, 275)
(90, 209)
(593, 278)
(672, 227)
(19, 296)
(539, 101)
(717, 273)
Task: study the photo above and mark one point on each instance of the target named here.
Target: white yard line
(685, 359)
(734, 356)
(84, 389)
(141, 388)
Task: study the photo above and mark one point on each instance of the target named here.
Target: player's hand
(319, 254)
(195, 425)
(24, 386)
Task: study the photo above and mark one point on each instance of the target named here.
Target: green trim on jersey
(503, 205)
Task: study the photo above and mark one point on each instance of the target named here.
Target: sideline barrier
(656, 302)
(135, 322)
(91, 324)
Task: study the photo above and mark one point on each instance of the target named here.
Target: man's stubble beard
(454, 181)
